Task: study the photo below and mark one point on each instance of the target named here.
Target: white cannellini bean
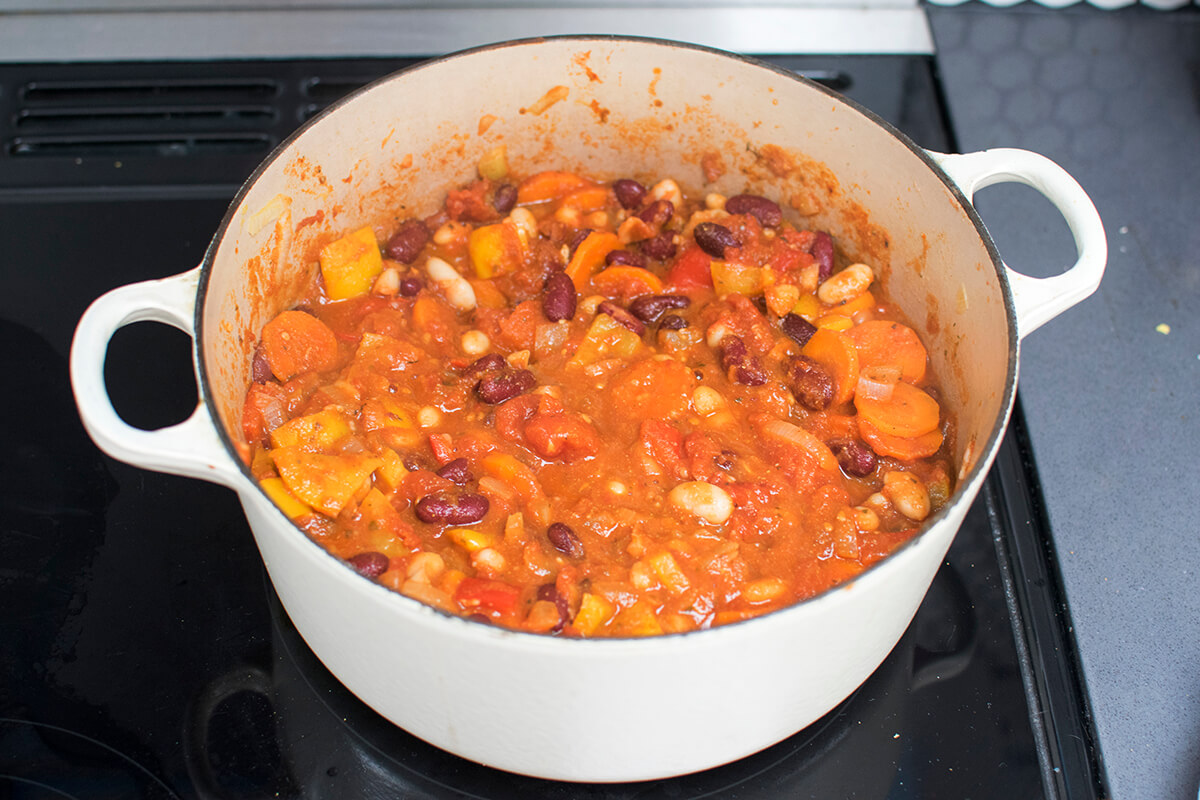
(907, 493)
(458, 291)
(846, 285)
(450, 232)
(388, 283)
(475, 343)
(704, 500)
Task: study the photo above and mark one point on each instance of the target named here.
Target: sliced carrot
(296, 342)
(851, 307)
(626, 282)
(832, 350)
(903, 448)
(589, 255)
(549, 185)
(881, 343)
(909, 412)
(514, 473)
(589, 198)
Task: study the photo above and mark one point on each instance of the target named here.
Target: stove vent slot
(321, 92)
(151, 117)
(129, 146)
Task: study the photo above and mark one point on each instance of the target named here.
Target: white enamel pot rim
(572, 709)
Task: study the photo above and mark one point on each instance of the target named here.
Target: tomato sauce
(588, 408)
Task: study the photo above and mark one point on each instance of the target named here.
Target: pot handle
(192, 447)
(1039, 300)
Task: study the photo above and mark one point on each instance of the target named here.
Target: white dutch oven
(604, 710)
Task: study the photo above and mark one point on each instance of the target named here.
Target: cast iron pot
(624, 709)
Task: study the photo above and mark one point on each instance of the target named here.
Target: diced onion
(877, 383)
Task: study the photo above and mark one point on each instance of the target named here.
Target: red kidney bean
(661, 247)
(621, 316)
(822, 251)
(456, 471)
(629, 192)
(505, 198)
(414, 462)
(736, 359)
(733, 351)
(549, 592)
(797, 328)
(652, 306)
(410, 286)
(765, 211)
(750, 373)
(627, 257)
(714, 238)
(564, 540)
(657, 213)
(811, 384)
(370, 564)
(505, 385)
(673, 322)
(577, 239)
(560, 298)
(408, 240)
(444, 509)
(855, 458)
(260, 368)
(489, 363)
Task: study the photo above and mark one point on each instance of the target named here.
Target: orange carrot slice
(549, 185)
(881, 343)
(832, 350)
(626, 282)
(903, 448)
(589, 255)
(908, 413)
(296, 342)
(590, 198)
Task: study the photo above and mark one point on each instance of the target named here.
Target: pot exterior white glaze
(604, 710)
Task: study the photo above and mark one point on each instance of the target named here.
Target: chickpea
(475, 343)
(707, 401)
(668, 190)
(425, 567)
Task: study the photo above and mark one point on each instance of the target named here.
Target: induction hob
(144, 652)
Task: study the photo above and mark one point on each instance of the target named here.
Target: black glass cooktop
(143, 653)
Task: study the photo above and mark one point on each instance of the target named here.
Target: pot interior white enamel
(611, 710)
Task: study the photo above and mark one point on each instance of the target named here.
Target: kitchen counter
(1110, 389)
